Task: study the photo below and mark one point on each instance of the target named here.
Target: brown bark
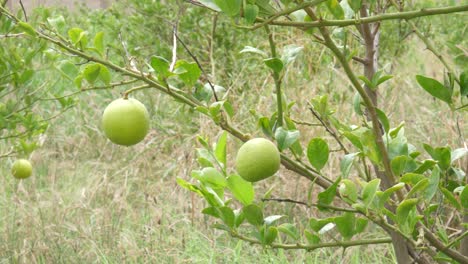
(371, 36)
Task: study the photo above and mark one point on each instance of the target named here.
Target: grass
(93, 202)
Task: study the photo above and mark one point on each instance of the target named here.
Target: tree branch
(343, 244)
(371, 19)
(331, 207)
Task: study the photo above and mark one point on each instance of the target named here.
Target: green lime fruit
(21, 169)
(125, 121)
(257, 159)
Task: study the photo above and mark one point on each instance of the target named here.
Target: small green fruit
(125, 121)
(257, 159)
(21, 169)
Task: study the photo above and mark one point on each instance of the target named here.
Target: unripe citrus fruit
(257, 159)
(125, 121)
(21, 169)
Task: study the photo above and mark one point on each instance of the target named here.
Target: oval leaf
(435, 88)
(318, 152)
(241, 189)
(253, 214)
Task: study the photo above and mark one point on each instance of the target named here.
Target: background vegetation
(92, 201)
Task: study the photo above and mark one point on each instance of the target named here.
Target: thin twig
(343, 244)
(24, 11)
(12, 35)
(334, 208)
(199, 66)
(329, 129)
(371, 19)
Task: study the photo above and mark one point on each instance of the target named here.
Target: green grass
(93, 202)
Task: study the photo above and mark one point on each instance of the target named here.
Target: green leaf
(346, 225)
(318, 224)
(289, 229)
(27, 28)
(227, 215)
(464, 84)
(253, 214)
(464, 197)
(404, 209)
(346, 163)
(312, 239)
(397, 143)
(77, 35)
(361, 224)
(355, 5)
(369, 190)
(57, 23)
(210, 177)
(230, 7)
(418, 187)
(270, 235)
(399, 164)
(458, 154)
(241, 189)
(264, 124)
(354, 139)
(68, 69)
(160, 66)
(95, 71)
(370, 147)
(433, 184)
(348, 191)
(78, 81)
(104, 74)
(99, 42)
(377, 79)
(187, 72)
(266, 9)
(184, 184)
(221, 227)
(426, 165)
(220, 148)
(211, 211)
(335, 8)
(443, 156)
(286, 138)
(384, 196)
(357, 104)
(366, 81)
(210, 4)
(412, 178)
(250, 13)
(326, 197)
(383, 119)
(318, 152)
(406, 215)
(239, 217)
(450, 198)
(275, 64)
(435, 88)
(91, 72)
